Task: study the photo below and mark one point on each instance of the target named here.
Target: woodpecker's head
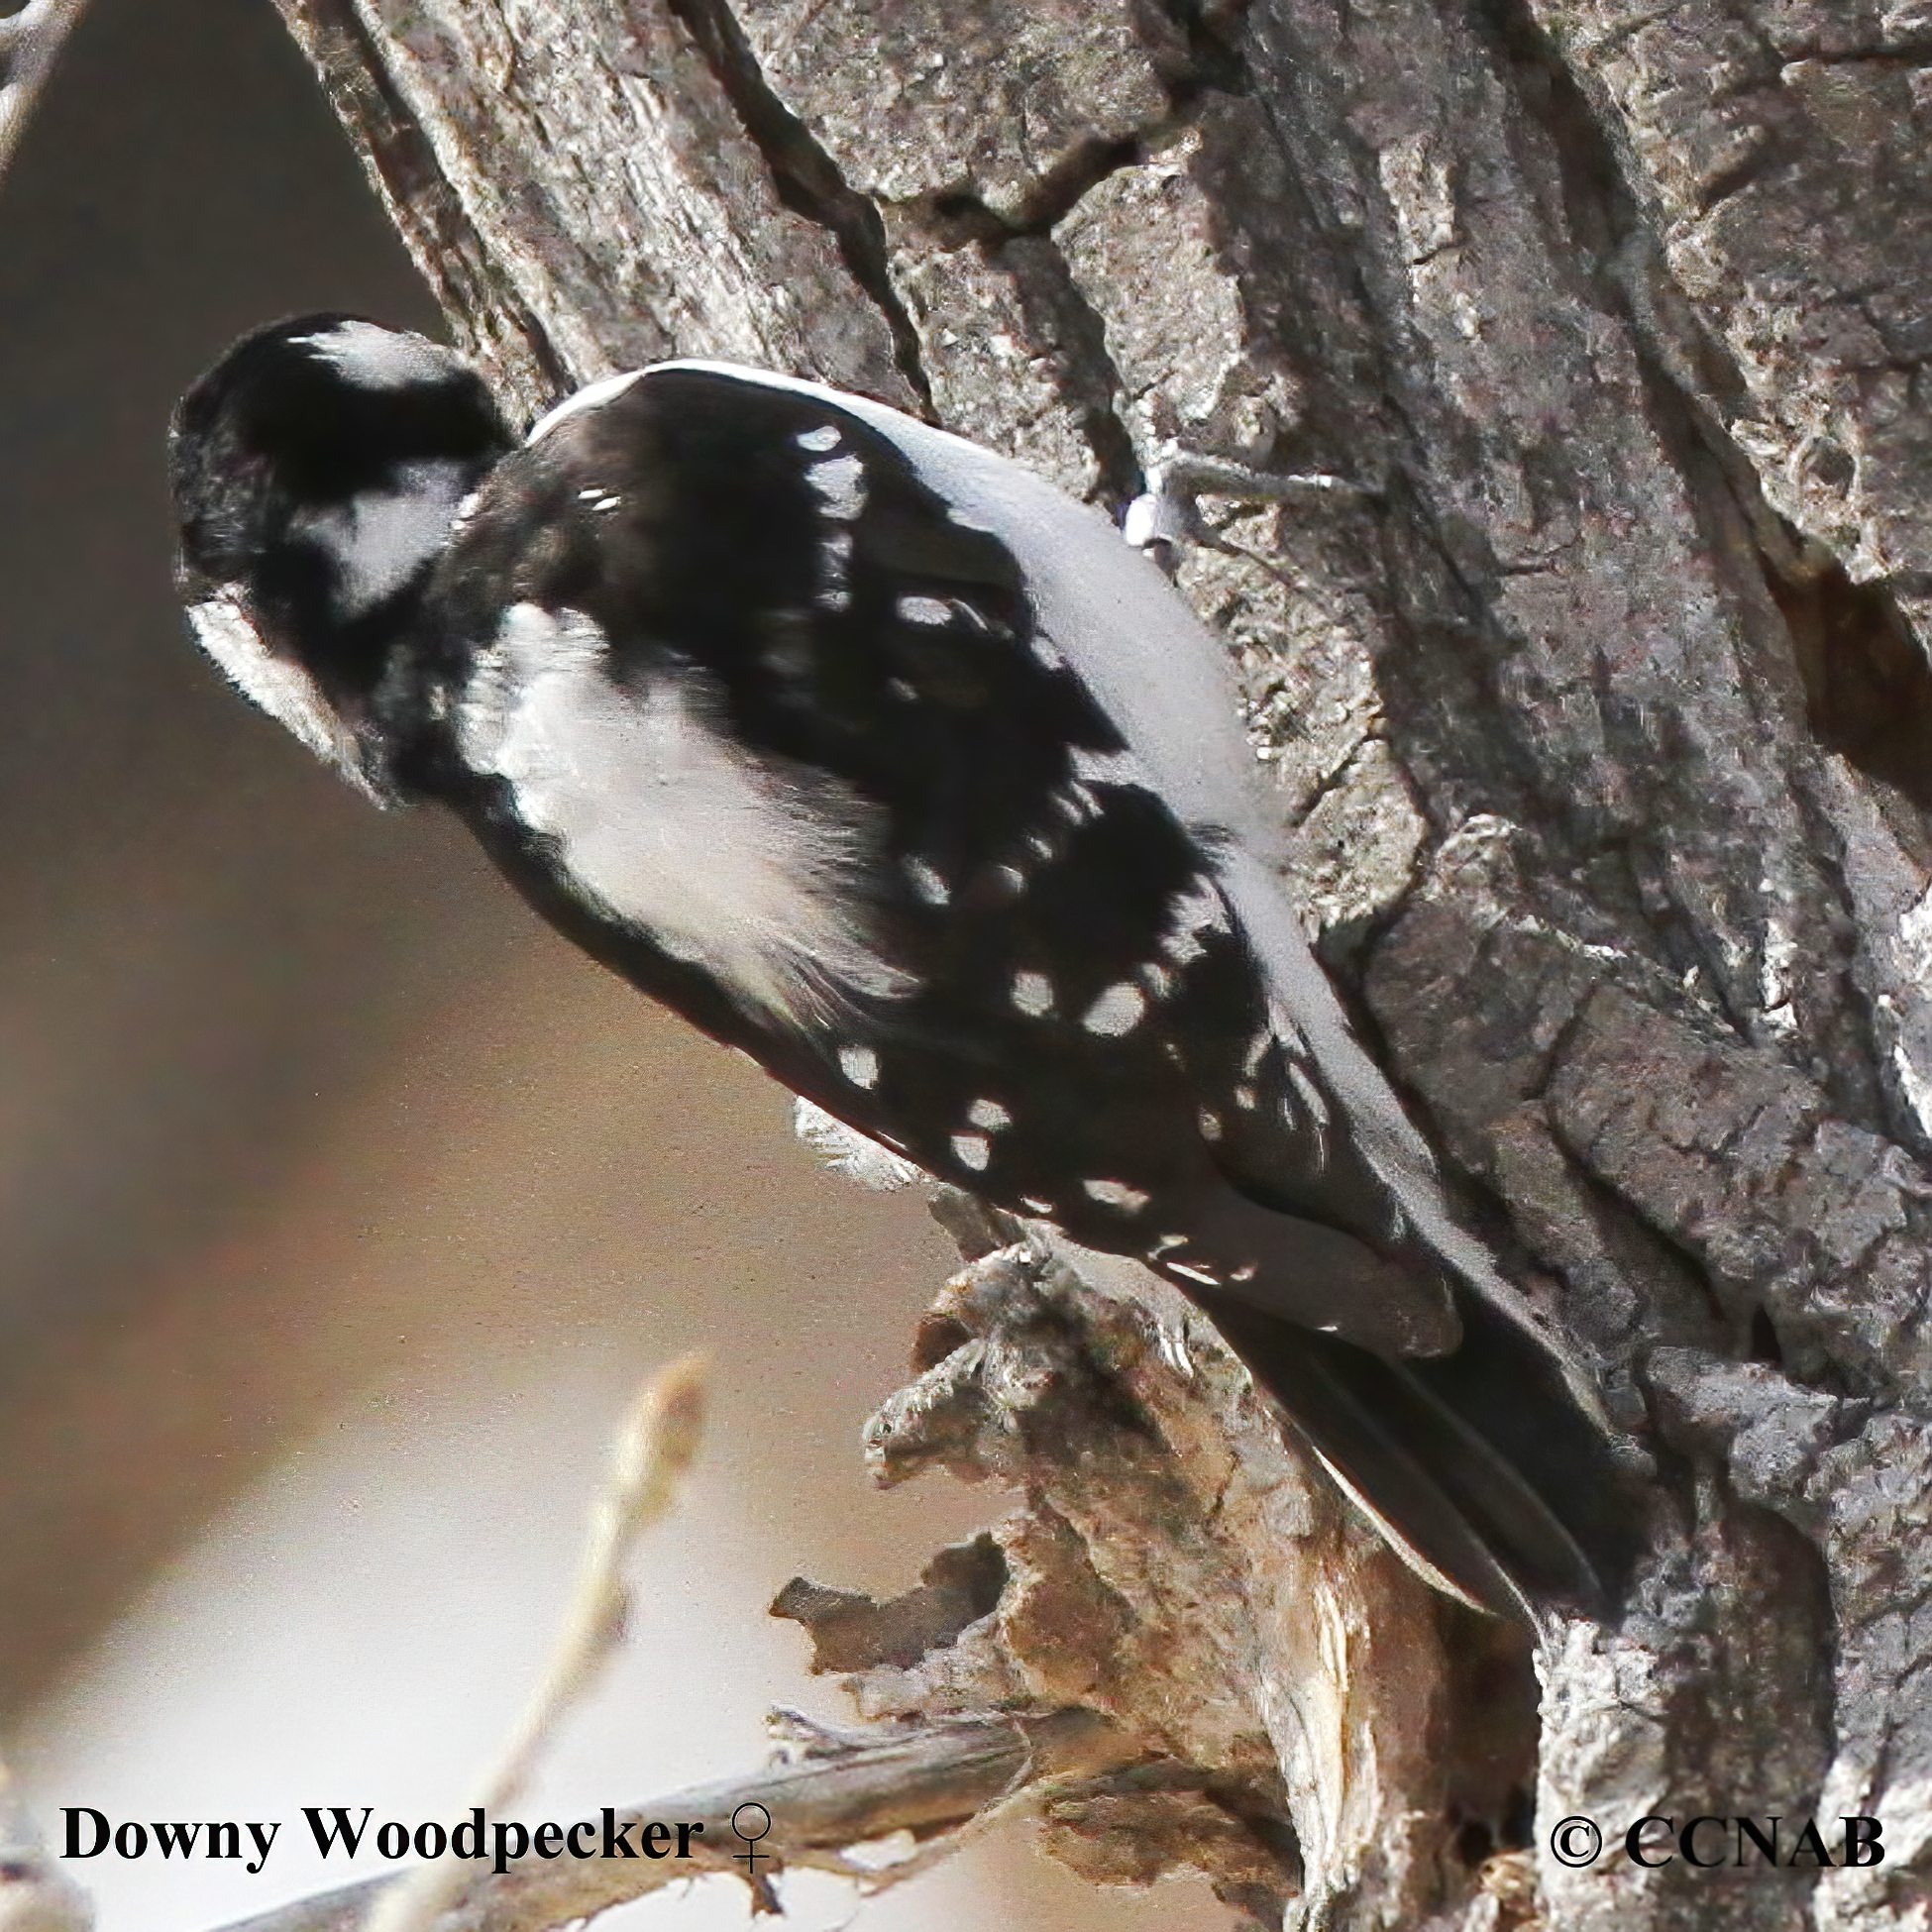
(317, 470)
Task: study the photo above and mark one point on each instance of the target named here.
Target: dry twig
(928, 1781)
(35, 1894)
(650, 1457)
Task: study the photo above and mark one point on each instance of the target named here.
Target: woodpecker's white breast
(722, 858)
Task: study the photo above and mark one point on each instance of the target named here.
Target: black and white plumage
(880, 760)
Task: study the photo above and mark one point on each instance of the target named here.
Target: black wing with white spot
(732, 671)
(884, 762)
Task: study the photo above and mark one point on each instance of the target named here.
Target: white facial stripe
(381, 539)
(666, 825)
(284, 691)
(464, 510)
(370, 358)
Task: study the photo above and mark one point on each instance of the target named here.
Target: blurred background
(341, 1206)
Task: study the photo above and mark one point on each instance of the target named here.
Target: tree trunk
(1600, 741)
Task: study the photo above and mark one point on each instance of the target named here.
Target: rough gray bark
(1600, 747)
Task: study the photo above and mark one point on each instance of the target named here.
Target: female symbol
(751, 1821)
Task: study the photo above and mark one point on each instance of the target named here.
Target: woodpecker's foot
(1168, 513)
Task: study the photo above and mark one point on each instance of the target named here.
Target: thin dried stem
(35, 1894)
(651, 1455)
(930, 1780)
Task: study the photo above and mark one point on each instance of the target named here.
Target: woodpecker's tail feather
(1479, 1465)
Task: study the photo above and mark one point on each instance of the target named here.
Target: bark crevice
(805, 174)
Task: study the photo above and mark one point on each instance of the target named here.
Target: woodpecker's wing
(796, 699)
(1162, 680)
